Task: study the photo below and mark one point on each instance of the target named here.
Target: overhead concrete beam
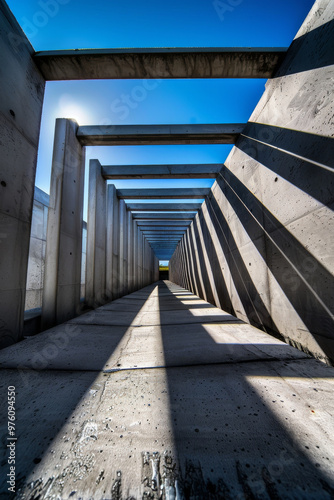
(164, 207)
(146, 194)
(162, 223)
(197, 171)
(145, 63)
(147, 135)
(163, 217)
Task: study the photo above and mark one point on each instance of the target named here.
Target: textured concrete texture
(195, 171)
(96, 237)
(21, 100)
(130, 135)
(124, 404)
(62, 276)
(36, 262)
(159, 63)
(261, 245)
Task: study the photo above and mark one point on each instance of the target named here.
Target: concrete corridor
(159, 394)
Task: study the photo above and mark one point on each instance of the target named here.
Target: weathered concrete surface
(163, 216)
(21, 99)
(35, 272)
(130, 252)
(36, 262)
(112, 254)
(142, 194)
(268, 224)
(159, 63)
(62, 276)
(229, 411)
(96, 237)
(164, 207)
(173, 223)
(128, 135)
(196, 171)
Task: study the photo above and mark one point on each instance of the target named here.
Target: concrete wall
(36, 262)
(21, 99)
(261, 247)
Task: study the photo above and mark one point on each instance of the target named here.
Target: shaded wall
(36, 263)
(261, 247)
(21, 99)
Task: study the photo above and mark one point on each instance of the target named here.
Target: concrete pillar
(135, 255)
(140, 259)
(62, 278)
(112, 283)
(21, 100)
(130, 251)
(96, 237)
(123, 236)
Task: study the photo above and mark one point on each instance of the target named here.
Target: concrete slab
(181, 411)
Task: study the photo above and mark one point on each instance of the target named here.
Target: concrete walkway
(162, 395)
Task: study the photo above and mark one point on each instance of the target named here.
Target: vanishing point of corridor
(159, 394)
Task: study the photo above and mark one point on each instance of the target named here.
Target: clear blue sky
(70, 24)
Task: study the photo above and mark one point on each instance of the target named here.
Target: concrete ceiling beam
(156, 63)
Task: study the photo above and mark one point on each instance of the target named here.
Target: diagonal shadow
(312, 51)
(305, 281)
(297, 171)
(316, 148)
(255, 309)
(229, 443)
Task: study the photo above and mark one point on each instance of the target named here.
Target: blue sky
(70, 24)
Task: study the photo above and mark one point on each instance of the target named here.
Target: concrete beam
(197, 171)
(146, 135)
(164, 231)
(164, 207)
(144, 63)
(96, 237)
(162, 223)
(62, 276)
(163, 217)
(146, 194)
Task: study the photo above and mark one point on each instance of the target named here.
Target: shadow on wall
(305, 282)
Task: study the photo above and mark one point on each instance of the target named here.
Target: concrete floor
(161, 395)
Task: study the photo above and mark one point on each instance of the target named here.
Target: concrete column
(96, 237)
(123, 236)
(140, 259)
(62, 278)
(21, 100)
(130, 252)
(112, 283)
(135, 255)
